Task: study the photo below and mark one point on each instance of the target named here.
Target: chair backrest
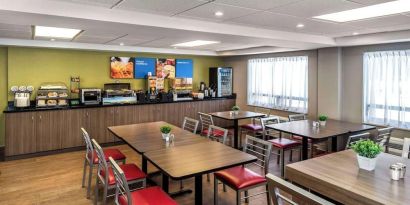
(268, 121)
(102, 163)
(262, 110)
(260, 149)
(216, 133)
(297, 117)
(190, 124)
(406, 148)
(383, 136)
(121, 186)
(90, 149)
(206, 120)
(355, 138)
(283, 192)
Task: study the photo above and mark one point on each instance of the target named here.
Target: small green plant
(235, 108)
(166, 129)
(366, 148)
(322, 117)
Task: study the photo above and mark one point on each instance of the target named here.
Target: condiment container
(395, 172)
(402, 169)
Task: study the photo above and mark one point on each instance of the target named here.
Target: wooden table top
(196, 159)
(241, 115)
(333, 128)
(338, 176)
(147, 136)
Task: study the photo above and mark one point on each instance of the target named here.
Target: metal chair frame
(121, 185)
(212, 136)
(383, 137)
(269, 132)
(190, 124)
(355, 138)
(252, 145)
(406, 148)
(103, 180)
(277, 186)
(297, 117)
(206, 120)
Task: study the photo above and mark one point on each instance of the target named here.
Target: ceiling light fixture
(300, 26)
(54, 32)
(219, 13)
(355, 33)
(377, 10)
(52, 39)
(121, 44)
(194, 43)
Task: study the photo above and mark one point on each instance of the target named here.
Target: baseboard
(40, 154)
(2, 153)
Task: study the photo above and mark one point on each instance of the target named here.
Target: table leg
(144, 165)
(334, 144)
(198, 190)
(235, 134)
(165, 183)
(305, 147)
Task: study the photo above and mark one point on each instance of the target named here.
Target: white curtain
(387, 88)
(280, 83)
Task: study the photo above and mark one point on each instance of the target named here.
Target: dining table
(195, 160)
(332, 129)
(338, 177)
(235, 117)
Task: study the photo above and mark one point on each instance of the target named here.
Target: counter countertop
(33, 108)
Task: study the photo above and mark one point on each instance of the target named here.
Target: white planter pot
(165, 136)
(367, 163)
(322, 123)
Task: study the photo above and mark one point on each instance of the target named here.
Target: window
(387, 88)
(279, 83)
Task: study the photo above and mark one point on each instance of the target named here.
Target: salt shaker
(402, 169)
(395, 172)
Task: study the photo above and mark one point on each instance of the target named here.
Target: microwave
(90, 96)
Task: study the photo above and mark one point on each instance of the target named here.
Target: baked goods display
(52, 95)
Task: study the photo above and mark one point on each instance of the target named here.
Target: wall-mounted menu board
(122, 67)
(184, 68)
(165, 68)
(143, 66)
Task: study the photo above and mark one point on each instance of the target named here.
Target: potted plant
(165, 131)
(322, 120)
(367, 152)
(235, 109)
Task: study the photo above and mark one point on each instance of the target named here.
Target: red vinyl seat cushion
(131, 172)
(284, 143)
(148, 196)
(116, 154)
(252, 127)
(216, 133)
(240, 177)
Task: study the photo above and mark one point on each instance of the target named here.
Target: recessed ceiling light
(300, 26)
(52, 39)
(121, 44)
(384, 9)
(355, 33)
(219, 13)
(43, 31)
(194, 43)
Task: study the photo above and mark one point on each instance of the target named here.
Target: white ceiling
(257, 25)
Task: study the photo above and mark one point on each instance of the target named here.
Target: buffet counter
(38, 130)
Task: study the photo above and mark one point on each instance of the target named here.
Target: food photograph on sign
(165, 68)
(122, 67)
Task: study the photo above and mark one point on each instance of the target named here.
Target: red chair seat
(240, 177)
(116, 154)
(252, 127)
(148, 196)
(131, 172)
(216, 133)
(295, 137)
(284, 143)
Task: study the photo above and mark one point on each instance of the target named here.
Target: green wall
(3, 90)
(33, 66)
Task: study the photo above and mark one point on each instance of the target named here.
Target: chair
(190, 124)
(283, 192)
(91, 159)
(355, 138)
(217, 133)
(254, 127)
(148, 196)
(240, 178)
(282, 145)
(269, 133)
(383, 137)
(133, 174)
(206, 120)
(406, 148)
(311, 142)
